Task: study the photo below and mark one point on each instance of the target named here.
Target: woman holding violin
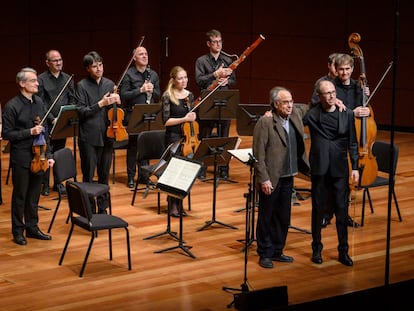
(94, 98)
(180, 124)
(20, 129)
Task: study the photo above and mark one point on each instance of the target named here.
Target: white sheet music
(241, 154)
(179, 174)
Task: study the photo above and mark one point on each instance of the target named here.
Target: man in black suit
(333, 136)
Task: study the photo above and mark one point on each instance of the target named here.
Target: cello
(366, 128)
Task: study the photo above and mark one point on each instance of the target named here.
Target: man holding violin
(20, 129)
(94, 97)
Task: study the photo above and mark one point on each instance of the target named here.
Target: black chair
(382, 152)
(65, 169)
(81, 215)
(150, 147)
(118, 145)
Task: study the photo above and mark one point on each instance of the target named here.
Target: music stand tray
(219, 105)
(145, 117)
(247, 117)
(214, 151)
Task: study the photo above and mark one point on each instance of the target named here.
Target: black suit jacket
(327, 153)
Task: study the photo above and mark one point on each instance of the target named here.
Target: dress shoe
(282, 258)
(130, 182)
(265, 262)
(344, 259)
(37, 234)
(19, 239)
(202, 173)
(316, 257)
(351, 223)
(224, 172)
(325, 222)
(45, 190)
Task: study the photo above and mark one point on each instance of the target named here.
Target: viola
(366, 128)
(116, 129)
(190, 132)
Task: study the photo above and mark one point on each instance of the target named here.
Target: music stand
(145, 117)
(66, 125)
(247, 117)
(213, 151)
(221, 105)
(177, 180)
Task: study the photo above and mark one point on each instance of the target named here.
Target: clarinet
(148, 79)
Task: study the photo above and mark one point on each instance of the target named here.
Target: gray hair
(274, 94)
(21, 75)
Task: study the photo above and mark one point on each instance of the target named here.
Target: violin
(366, 128)
(190, 131)
(116, 129)
(39, 162)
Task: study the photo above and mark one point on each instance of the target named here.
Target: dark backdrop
(299, 37)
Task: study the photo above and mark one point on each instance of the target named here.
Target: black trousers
(94, 157)
(324, 186)
(273, 218)
(25, 199)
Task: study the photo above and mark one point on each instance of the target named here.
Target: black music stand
(145, 117)
(221, 105)
(66, 125)
(213, 151)
(247, 117)
(177, 180)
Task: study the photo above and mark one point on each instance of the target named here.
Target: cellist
(176, 103)
(349, 91)
(20, 130)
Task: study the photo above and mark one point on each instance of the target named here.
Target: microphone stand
(250, 206)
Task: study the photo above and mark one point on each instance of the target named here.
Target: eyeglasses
(329, 93)
(31, 80)
(216, 41)
(55, 60)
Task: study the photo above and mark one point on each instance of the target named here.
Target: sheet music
(241, 154)
(180, 174)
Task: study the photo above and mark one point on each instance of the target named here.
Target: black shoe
(19, 239)
(351, 223)
(45, 190)
(325, 222)
(282, 258)
(316, 257)
(344, 259)
(266, 263)
(130, 182)
(37, 234)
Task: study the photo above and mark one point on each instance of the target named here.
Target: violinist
(209, 68)
(176, 103)
(140, 85)
(51, 82)
(20, 130)
(94, 97)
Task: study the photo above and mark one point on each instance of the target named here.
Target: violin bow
(56, 99)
